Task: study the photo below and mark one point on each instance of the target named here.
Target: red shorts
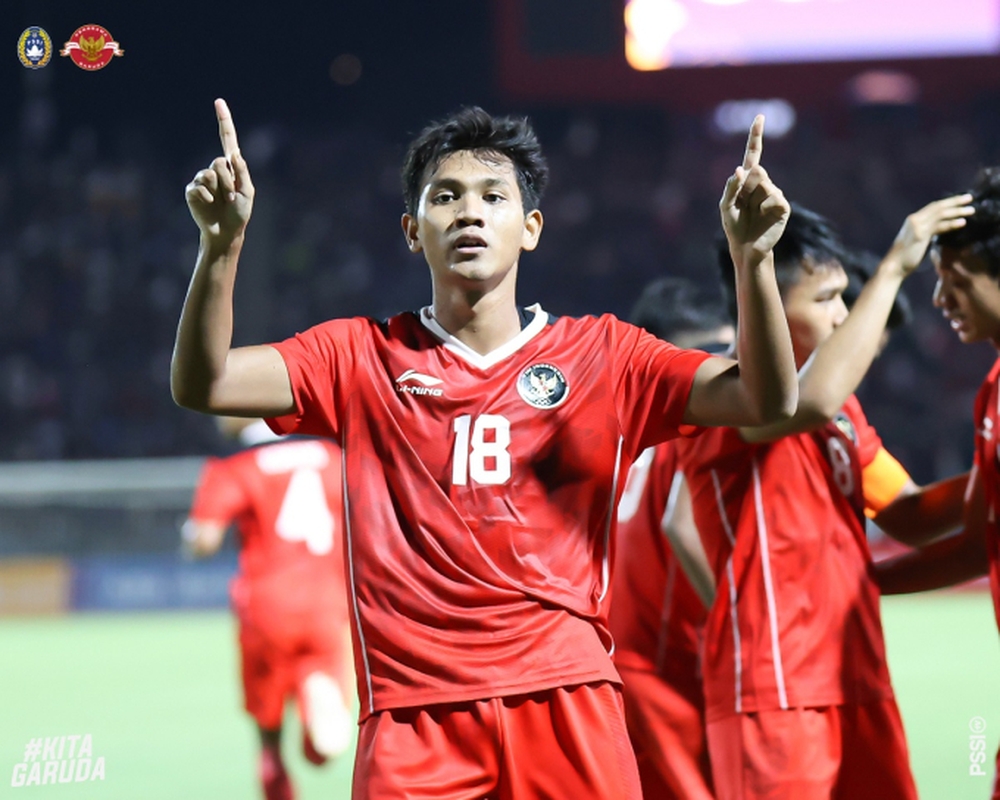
(561, 744)
(849, 752)
(666, 722)
(278, 654)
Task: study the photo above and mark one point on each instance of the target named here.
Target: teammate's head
(860, 266)
(967, 262)
(675, 310)
(472, 184)
(809, 266)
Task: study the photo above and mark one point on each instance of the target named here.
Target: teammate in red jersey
(289, 595)
(798, 699)
(485, 451)
(967, 262)
(657, 615)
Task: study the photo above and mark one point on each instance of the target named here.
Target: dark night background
(96, 245)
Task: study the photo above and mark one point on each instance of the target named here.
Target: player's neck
(482, 320)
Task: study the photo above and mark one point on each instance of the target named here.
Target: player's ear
(532, 229)
(409, 223)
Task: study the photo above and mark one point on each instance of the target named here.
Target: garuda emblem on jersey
(542, 386)
(34, 48)
(843, 422)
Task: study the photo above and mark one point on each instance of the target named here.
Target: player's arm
(909, 513)
(762, 387)
(679, 528)
(948, 561)
(206, 373)
(201, 538)
(837, 366)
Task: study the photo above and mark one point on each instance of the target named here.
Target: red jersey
(286, 502)
(987, 419)
(657, 616)
(480, 492)
(796, 619)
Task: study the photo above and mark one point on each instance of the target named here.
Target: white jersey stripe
(668, 595)
(350, 573)
(772, 611)
(606, 561)
(733, 599)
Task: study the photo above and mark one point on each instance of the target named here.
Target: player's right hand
(921, 226)
(754, 211)
(221, 197)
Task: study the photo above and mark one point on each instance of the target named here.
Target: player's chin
(474, 269)
(973, 335)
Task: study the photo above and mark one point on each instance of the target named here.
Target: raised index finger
(227, 130)
(755, 143)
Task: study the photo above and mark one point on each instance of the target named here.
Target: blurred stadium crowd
(96, 248)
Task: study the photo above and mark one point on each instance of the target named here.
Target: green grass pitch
(159, 696)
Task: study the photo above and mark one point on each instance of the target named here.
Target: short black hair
(809, 241)
(981, 233)
(476, 130)
(860, 266)
(668, 307)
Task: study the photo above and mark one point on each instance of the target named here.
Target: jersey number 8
(843, 470)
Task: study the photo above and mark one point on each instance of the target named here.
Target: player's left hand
(754, 210)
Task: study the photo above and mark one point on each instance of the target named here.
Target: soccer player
(798, 699)
(289, 596)
(485, 450)
(967, 262)
(657, 615)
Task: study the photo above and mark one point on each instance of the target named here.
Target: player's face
(470, 223)
(968, 296)
(814, 306)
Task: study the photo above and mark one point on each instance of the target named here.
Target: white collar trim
(462, 350)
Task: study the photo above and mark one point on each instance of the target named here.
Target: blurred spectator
(96, 248)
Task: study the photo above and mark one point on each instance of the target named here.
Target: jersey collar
(463, 351)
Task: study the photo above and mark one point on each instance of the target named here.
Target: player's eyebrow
(454, 183)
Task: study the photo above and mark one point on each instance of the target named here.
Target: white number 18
(469, 458)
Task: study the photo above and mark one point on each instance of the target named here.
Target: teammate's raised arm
(763, 388)
(205, 373)
(835, 368)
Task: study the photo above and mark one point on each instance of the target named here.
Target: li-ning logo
(413, 382)
(543, 386)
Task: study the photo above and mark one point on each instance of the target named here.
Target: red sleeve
(220, 496)
(654, 381)
(869, 442)
(318, 361)
(979, 414)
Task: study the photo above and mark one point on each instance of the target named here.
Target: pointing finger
(733, 186)
(243, 182)
(224, 172)
(755, 178)
(755, 143)
(227, 130)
